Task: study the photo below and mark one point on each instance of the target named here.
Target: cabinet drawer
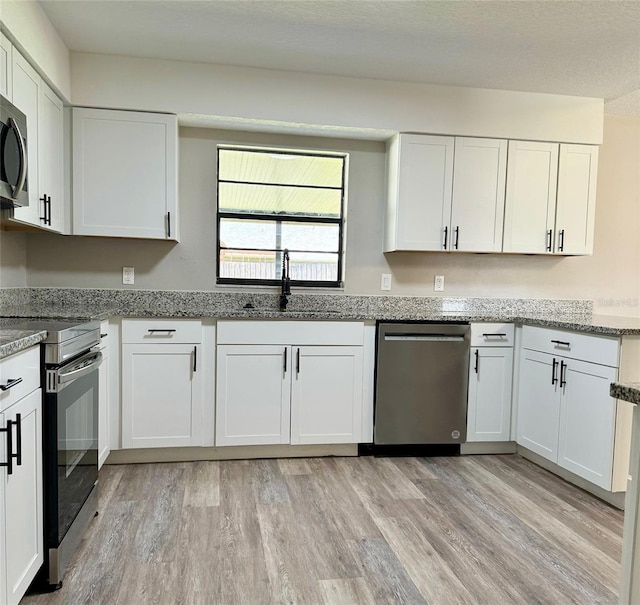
(576, 345)
(491, 335)
(25, 365)
(161, 330)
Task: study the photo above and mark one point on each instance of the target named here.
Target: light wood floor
(476, 529)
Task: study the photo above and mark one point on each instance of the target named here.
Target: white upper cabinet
(125, 174)
(477, 210)
(550, 200)
(531, 197)
(50, 159)
(26, 85)
(419, 181)
(445, 193)
(575, 214)
(45, 152)
(6, 69)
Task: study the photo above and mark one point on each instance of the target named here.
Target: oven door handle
(95, 359)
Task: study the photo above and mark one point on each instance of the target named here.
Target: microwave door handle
(23, 158)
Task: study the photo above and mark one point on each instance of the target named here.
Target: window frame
(282, 218)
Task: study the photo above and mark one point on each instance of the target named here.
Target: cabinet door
(539, 404)
(477, 210)
(23, 499)
(326, 395)
(26, 84)
(532, 171)
(124, 174)
(103, 410)
(587, 421)
(489, 413)
(6, 69)
(161, 395)
(50, 159)
(421, 200)
(253, 394)
(576, 205)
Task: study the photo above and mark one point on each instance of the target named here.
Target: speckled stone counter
(14, 341)
(103, 303)
(627, 391)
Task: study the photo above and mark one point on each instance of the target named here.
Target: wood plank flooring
(476, 529)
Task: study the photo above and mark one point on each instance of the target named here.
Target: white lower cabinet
(326, 395)
(161, 383)
(587, 421)
(104, 448)
(21, 514)
(253, 394)
(490, 378)
(269, 391)
(565, 413)
(538, 404)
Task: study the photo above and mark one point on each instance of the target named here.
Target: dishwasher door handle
(425, 337)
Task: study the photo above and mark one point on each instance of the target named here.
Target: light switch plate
(438, 283)
(128, 276)
(385, 281)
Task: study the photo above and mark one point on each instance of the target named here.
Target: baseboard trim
(232, 452)
(488, 447)
(614, 498)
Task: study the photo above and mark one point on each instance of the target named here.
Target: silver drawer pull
(496, 335)
(153, 330)
(561, 343)
(12, 382)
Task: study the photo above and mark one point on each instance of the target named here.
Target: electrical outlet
(128, 276)
(385, 281)
(438, 283)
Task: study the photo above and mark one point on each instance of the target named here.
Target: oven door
(71, 441)
(13, 156)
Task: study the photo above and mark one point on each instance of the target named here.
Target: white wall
(13, 259)
(304, 99)
(31, 31)
(611, 277)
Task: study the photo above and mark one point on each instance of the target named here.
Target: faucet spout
(285, 283)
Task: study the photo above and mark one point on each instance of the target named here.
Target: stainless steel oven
(70, 362)
(13, 156)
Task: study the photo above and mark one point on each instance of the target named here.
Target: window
(269, 200)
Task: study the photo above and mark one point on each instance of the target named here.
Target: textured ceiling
(573, 47)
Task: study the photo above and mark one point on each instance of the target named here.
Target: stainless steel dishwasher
(422, 374)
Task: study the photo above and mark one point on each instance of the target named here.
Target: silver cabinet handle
(23, 158)
(153, 330)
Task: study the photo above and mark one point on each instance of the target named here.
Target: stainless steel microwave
(13, 156)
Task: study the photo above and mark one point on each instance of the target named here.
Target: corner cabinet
(445, 193)
(161, 383)
(21, 495)
(124, 174)
(550, 198)
(284, 382)
(565, 412)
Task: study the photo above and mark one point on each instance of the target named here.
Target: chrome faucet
(285, 283)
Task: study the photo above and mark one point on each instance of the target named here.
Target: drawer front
(576, 345)
(183, 331)
(492, 335)
(24, 365)
(278, 332)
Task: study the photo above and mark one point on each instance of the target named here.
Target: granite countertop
(627, 391)
(67, 303)
(14, 341)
